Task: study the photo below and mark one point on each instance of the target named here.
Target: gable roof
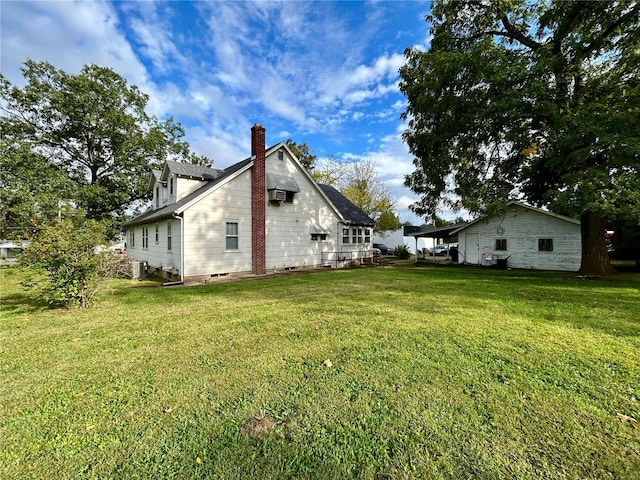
(181, 205)
(348, 210)
(522, 205)
(190, 170)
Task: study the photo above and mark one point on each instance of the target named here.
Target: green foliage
(528, 99)
(66, 267)
(91, 128)
(304, 154)
(402, 252)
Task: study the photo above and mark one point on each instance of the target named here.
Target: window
(157, 197)
(367, 235)
(280, 155)
(315, 237)
(157, 234)
(171, 186)
(132, 238)
(231, 236)
(169, 235)
(545, 244)
(345, 235)
(356, 235)
(501, 243)
(289, 198)
(145, 237)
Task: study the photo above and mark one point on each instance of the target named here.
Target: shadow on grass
(22, 303)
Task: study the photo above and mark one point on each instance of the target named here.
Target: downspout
(181, 282)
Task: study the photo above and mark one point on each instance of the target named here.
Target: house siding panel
(205, 230)
(289, 225)
(522, 228)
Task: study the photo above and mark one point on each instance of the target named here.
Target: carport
(440, 233)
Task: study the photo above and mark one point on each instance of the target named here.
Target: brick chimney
(258, 201)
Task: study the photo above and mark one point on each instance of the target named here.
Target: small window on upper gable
(171, 186)
(280, 155)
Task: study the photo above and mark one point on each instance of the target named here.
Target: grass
(435, 373)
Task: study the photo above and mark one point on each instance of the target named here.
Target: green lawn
(434, 373)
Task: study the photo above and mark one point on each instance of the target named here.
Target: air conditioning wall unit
(277, 195)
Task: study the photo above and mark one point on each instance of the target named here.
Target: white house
(262, 214)
(524, 237)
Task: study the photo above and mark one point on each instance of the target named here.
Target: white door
(471, 248)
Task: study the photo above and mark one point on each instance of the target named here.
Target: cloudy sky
(323, 73)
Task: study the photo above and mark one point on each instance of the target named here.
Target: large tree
(92, 128)
(529, 100)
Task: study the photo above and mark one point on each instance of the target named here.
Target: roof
(191, 170)
(528, 207)
(348, 210)
(440, 232)
(181, 205)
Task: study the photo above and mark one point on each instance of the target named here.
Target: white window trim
(224, 234)
(169, 236)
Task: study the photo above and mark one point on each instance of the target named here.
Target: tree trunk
(595, 260)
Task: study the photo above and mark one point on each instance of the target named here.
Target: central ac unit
(277, 195)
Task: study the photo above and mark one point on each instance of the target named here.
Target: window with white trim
(345, 236)
(169, 235)
(171, 186)
(231, 235)
(132, 238)
(367, 235)
(157, 196)
(145, 237)
(356, 235)
(318, 237)
(157, 234)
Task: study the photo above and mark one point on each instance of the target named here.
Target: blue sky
(324, 73)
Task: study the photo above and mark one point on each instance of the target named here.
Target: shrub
(402, 252)
(65, 266)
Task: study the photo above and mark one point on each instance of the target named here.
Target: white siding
(157, 254)
(522, 228)
(183, 187)
(289, 225)
(205, 224)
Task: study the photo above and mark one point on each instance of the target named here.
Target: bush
(65, 266)
(402, 252)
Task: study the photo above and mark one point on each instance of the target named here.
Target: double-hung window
(356, 235)
(169, 235)
(132, 238)
(157, 234)
(345, 236)
(145, 237)
(231, 236)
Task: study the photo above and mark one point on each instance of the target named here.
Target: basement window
(545, 244)
(501, 243)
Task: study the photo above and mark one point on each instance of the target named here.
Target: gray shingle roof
(169, 210)
(194, 171)
(348, 210)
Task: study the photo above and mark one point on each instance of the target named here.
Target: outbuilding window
(545, 244)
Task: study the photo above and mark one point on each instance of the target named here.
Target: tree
(304, 154)
(64, 265)
(92, 128)
(32, 192)
(360, 183)
(533, 100)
